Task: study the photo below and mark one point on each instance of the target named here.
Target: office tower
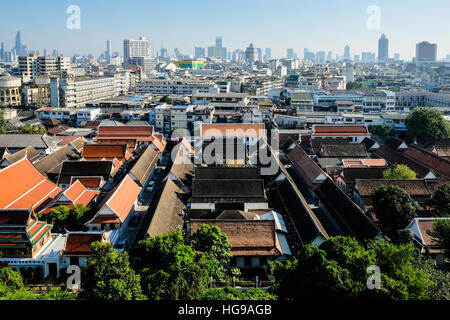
(2, 51)
(348, 71)
(55, 53)
(329, 56)
(268, 54)
(397, 56)
(356, 58)
(447, 58)
(320, 56)
(426, 52)
(21, 50)
(290, 53)
(136, 48)
(177, 53)
(214, 52)
(199, 52)
(108, 51)
(259, 50)
(383, 48)
(347, 52)
(250, 54)
(45, 53)
(308, 55)
(219, 42)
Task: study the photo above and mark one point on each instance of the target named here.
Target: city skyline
(304, 26)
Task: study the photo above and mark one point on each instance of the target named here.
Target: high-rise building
(268, 54)
(290, 53)
(426, 52)
(199, 52)
(219, 42)
(136, 48)
(329, 56)
(356, 57)
(2, 51)
(320, 56)
(21, 50)
(259, 50)
(383, 48)
(347, 52)
(308, 55)
(108, 51)
(396, 56)
(32, 66)
(368, 57)
(251, 54)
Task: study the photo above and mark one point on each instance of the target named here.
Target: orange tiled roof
(125, 131)
(365, 163)
(232, 130)
(89, 182)
(339, 130)
(23, 187)
(107, 151)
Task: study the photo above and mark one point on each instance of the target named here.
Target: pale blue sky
(279, 24)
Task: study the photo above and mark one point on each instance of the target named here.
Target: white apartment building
(77, 92)
(87, 114)
(33, 65)
(168, 87)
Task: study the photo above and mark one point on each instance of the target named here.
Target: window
(233, 261)
(247, 261)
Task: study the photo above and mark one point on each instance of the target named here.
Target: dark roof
(227, 190)
(430, 142)
(220, 173)
(348, 215)
(316, 143)
(414, 187)
(14, 216)
(343, 151)
(396, 158)
(438, 164)
(29, 152)
(51, 164)
(353, 173)
(145, 165)
(306, 167)
(395, 143)
(370, 143)
(71, 168)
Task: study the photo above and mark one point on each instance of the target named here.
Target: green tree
(63, 218)
(166, 99)
(108, 275)
(441, 232)
(2, 122)
(229, 293)
(394, 207)
(400, 172)
(382, 131)
(337, 269)
(441, 201)
(440, 288)
(427, 122)
(211, 241)
(354, 85)
(171, 269)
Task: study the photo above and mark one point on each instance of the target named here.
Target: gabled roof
(121, 199)
(420, 227)
(19, 141)
(105, 151)
(343, 151)
(29, 152)
(220, 173)
(141, 133)
(79, 243)
(415, 187)
(396, 144)
(145, 165)
(232, 130)
(364, 163)
(71, 169)
(23, 187)
(51, 164)
(439, 165)
(262, 241)
(340, 130)
(353, 173)
(347, 214)
(228, 190)
(371, 145)
(306, 167)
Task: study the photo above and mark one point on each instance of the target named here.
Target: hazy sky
(279, 24)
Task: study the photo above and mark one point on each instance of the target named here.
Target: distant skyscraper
(290, 53)
(426, 52)
(250, 54)
(259, 50)
(108, 51)
(320, 56)
(308, 55)
(356, 58)
(219, 42)
(136, 48)
(397, 56)
(347, 52)
(329, 56)
(21, 50)
(55, 53)
(383, 48)
(45, 52)
(2, 51)
(199, 52)
(267, 54)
